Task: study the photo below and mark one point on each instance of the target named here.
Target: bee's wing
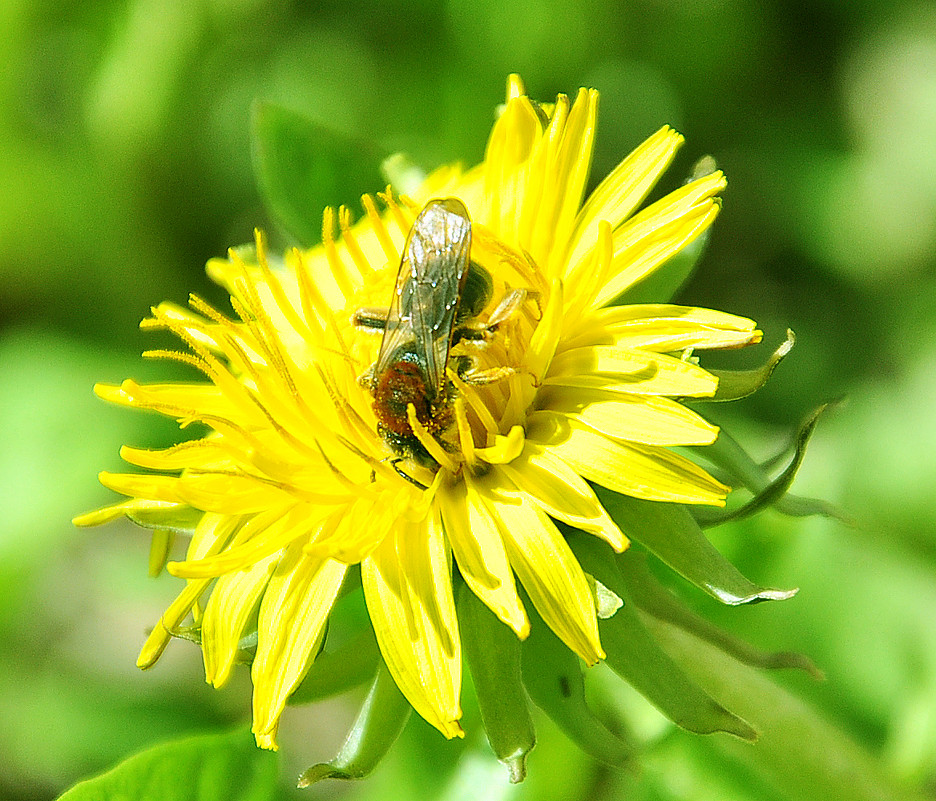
(428, 287)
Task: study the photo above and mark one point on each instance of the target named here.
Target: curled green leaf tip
(735, 384)
(516, 768)
(760, 595)
(316, 773)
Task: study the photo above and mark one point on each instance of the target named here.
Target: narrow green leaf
(636, 657)
(728, 455)
(799, 754)
(670, 532)
(653, 598)
(379, 723)
(553, 677)
(303, 166)
(335, 672)
(214, 767)
(492, 652)
(734, 384)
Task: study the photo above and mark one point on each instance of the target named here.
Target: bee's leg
(490, 376)
(370, 319)
(395, 463)
(366, 379)
(508, 307)
(482, 332)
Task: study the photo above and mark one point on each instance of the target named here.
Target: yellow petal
(511, 142)
(169, 622)
(623, 189)
(108, 513)
(632, 371)
(548, 570)
(264, 534)
(408, 588)
(479, 550)
(562, 493)
(545, 338)
(211, 535)
(659, 232)
(504, 449)
(291, 623)
(648, 419)
(357, 530)
(204, 453)
(229, 493)
(662, 328)
(642, 471)
(155, 488)
(232, 602)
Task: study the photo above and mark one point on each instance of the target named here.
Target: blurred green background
(125, 164)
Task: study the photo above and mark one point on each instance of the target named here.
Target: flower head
(455, 435)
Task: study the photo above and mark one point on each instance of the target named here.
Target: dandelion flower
(547, 390)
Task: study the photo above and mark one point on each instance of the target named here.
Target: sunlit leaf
(634, 655)
(378, 725)
(653, 598)
(670, 532)
(216, 767)
(553, 676)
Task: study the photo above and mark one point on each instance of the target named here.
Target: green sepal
(165, 523)
(653, 598)
(161, 542)
(728, 455)
(302, 166)
(213, 767)
(180, 519)
(633, 653)
(553, 677)
(735, 384)
(492, 651)
(672, 534)
(335, 672)
(379, 723)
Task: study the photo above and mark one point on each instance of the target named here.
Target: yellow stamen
(433, 448)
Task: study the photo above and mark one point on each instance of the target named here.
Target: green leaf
(492, 652)
(553, 677)
(727, 454)
(799, 754)
(215, 767)
(303, 166)
(635, 656)
(670, 532)
(653, 598)
(378, 725)
(735, 384)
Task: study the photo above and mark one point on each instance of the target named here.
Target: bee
(437, 289)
